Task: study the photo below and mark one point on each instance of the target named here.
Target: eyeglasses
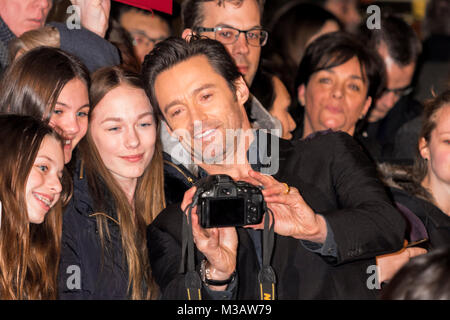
(140, 37)
(255, 37)
(400, 92)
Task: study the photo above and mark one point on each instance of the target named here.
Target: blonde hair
(46, 36)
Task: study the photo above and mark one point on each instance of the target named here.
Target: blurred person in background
(397, 43)
(347, 12)
(94, 51)
(17, 17)
(123, 40)
(293, 27)
(433, 72)
(434, 63)
(275, 97)
(146, 28)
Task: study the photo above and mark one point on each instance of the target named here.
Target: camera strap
(192, 280)
(193, 283)
(266, 275)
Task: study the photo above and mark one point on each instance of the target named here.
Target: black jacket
(177, 179)
(378, 138)
(436, 222)
(81, 247)
(411, 198)
(337, 180)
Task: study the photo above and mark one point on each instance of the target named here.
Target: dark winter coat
(336, 180)
(103, 274)
(411, 197)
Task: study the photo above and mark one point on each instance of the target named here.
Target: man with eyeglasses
(237, 25)
(146, 28)
(399, 46)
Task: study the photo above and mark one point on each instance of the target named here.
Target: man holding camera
(331, 214)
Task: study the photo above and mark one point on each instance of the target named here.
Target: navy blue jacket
(82, 254)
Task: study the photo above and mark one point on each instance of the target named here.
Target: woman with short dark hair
(337, 80)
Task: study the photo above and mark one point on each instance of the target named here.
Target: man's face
(24, 15)
(346, 11)
(199, 107)
(146, 30)
(398, 78)
(245, 17)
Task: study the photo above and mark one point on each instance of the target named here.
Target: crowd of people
(108, 128)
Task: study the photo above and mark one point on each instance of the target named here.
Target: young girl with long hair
(422, 192)
(51, 85)
(118, 191)
(30, 195)
(424, 189)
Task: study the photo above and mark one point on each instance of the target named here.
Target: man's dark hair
(400, 39)
(192, 14)
(173, 51)
(334, 49)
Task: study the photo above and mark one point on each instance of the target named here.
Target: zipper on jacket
(189, 179)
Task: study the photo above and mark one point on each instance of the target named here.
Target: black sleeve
(94, 51)
(367, 224)
(164, 248)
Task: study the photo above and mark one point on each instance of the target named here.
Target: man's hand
(219, 245)
(293, 217)
(94, 15)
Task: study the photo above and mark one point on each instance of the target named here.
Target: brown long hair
(32, 84)
(29, 253)
(149, 194)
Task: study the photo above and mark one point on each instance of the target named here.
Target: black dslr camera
(223, 202)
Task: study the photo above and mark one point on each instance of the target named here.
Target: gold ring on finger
(288, 189)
